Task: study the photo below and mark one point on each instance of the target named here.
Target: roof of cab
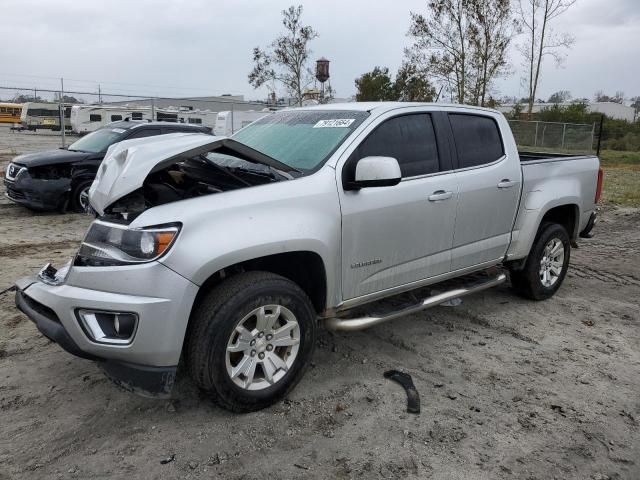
(386, 106)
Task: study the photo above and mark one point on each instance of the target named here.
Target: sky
(204, 47)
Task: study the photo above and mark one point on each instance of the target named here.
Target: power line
(101, 82)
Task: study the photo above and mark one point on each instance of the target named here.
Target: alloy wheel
(263, 347)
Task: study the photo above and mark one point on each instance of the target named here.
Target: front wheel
(546, 265)
(251, 340)
(80, 196)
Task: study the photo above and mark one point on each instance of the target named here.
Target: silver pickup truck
(226, 254)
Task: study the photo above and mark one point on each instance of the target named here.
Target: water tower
(322, 74)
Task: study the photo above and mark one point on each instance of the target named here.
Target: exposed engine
(191, 178)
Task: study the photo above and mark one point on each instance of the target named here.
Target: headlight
(108, 244)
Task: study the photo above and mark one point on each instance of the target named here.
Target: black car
(60, 179)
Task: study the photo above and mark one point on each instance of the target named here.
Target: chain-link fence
(551, 136)
(82, 111)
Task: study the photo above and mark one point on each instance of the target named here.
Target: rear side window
(95, 118)
(477, 138)
(410, 139)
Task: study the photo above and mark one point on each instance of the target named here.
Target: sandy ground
(509, 388)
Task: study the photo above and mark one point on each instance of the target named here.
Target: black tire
(214, 322)
(527, 282)
(76, 201)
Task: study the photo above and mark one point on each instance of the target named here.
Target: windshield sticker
(335, 123)
(118, 130)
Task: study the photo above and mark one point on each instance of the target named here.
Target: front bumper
(38, 194)
(148, 364)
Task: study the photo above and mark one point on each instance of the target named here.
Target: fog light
(108, 327)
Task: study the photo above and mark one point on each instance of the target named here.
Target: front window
(97, 141)
(301, 139)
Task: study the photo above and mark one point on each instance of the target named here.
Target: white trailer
(229, 122)
(88, 118)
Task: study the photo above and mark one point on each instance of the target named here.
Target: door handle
(440, 195)
(506, 183)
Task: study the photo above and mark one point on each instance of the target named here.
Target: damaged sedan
(60, 179)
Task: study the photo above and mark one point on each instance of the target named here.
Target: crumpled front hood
(127, 164)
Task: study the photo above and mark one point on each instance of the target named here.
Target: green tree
(412, 85)
(375, 85)
(463, 45)
(285, 59)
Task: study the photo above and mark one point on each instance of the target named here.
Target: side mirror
(376, 172)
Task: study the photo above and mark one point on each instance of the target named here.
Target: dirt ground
(509, 388)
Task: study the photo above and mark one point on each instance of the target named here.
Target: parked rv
(89, 118)
(39, 115)
(230, 122)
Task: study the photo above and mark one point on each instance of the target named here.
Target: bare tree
(600, 96)
(462, 44)
(285, 60)
(541, 41)
(492, 27)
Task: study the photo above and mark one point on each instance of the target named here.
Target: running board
(355, 324)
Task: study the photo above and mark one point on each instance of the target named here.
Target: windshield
(97, 141)
(301, 139)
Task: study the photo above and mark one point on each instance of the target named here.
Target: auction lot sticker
(334, 123)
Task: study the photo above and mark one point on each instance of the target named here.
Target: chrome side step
(355, 324)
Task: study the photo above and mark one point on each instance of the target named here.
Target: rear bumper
(586, 232)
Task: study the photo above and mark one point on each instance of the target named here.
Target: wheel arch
(567, 215)
(303, 267)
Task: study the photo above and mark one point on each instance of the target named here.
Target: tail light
(599, 186)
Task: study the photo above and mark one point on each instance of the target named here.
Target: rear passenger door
(489, 189)
(394, 236)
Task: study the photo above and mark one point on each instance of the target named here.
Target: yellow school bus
(10, 112)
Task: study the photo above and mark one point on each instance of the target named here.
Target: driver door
(394, 236)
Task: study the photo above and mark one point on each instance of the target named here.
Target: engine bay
(205, 174)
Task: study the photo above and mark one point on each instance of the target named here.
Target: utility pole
(62, 112)
(99, 95)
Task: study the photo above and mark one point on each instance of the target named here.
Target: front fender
(228, 228)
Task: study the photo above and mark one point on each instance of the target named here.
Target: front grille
(15, 194)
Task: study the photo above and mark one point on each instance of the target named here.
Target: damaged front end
(135, 177)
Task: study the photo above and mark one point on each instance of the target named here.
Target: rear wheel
(546, 265)
(251, 340)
